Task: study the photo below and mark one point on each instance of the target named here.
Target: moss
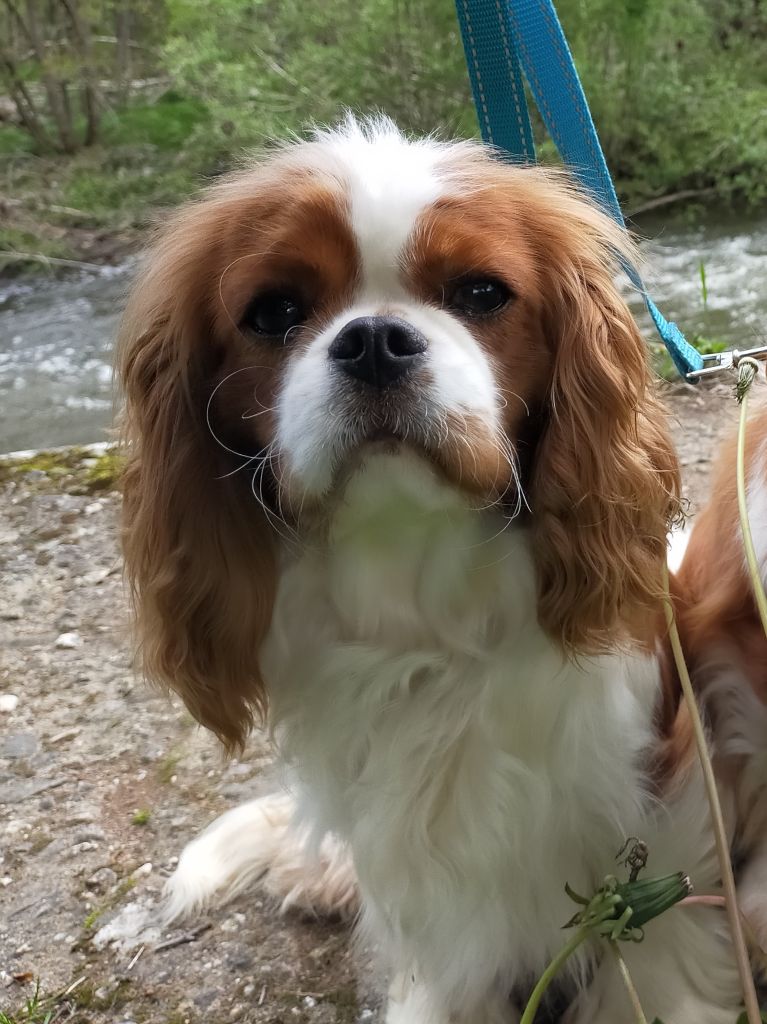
(75, 470)
(104, 474)
(141, 817)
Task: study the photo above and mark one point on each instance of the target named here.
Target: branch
(673, 197)
(40, 257)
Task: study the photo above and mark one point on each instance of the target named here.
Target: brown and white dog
(398, 477)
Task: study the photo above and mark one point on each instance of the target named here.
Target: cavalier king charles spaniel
(397, 478)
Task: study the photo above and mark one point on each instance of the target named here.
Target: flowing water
(56, 335)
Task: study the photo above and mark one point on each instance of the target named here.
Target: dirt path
(102, 782)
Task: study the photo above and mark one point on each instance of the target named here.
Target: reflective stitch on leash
(504, 38)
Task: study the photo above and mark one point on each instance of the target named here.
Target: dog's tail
(259, 843)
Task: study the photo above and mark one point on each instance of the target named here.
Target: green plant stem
(717, 819)
(550, 973)
(629, 984)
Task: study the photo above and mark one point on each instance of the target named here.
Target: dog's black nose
(378, 350)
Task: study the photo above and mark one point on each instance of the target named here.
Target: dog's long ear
(605, 483)
(198, 550)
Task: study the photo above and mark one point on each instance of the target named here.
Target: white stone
(8, 701)
(68, 641)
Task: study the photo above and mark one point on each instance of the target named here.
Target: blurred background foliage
(110, 109)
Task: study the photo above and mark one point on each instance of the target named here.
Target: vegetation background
(111, 109)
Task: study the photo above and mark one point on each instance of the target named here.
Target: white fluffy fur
(256, 843)
(468, 766)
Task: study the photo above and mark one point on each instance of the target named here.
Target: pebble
(68, 641)
(8, 702)
(102, 880)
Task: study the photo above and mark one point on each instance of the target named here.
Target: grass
(141, 817)
(64, 1005)
(35, 1010)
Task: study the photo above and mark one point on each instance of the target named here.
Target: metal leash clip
(717, 362)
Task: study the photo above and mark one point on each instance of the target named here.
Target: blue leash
(503, 39)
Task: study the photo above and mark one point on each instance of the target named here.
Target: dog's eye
(479, 297)
(274, 313)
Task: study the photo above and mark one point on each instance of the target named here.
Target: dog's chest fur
(434, 726)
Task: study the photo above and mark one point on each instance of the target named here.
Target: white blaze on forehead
(390, 181)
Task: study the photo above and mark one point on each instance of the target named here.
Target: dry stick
(720, 834)
(181, 940)
(628, 983)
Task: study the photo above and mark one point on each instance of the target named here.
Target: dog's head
(360, 289)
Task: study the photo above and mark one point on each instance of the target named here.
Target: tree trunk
(24, 104)
(83, 44)
(122, 32)
(55, 89)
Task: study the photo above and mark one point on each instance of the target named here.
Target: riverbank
(102, 781)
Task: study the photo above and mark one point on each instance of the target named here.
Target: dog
(398, 484)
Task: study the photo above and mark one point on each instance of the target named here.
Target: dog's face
(361, 290)
(379, 292)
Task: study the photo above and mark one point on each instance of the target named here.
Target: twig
(182, 939)
(135, 959)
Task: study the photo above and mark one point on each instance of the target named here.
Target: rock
(16, 792)
(8, 702)
(50, 532)
(22, 744)
(102, 880)
(91, 833)
(68, 641)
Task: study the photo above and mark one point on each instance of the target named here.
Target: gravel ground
(102, 782)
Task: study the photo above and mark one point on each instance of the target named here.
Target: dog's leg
(258, 842)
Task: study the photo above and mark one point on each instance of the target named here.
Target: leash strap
(504, 38)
